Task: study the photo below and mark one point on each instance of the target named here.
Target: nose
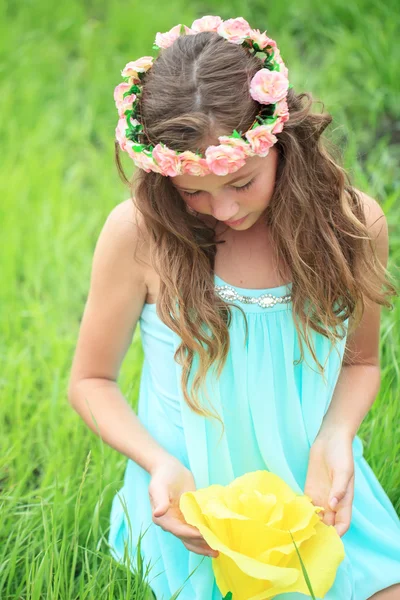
(224, 209)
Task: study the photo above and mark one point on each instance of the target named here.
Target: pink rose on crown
(277, 58)
(142, 159)
(134, 67)
(120, 89)
(282, 68)
(164, 40)
(278, 126)
(234, 30)
(206, 23)
(268, 87)
(120, 131)
(282, 112)
(262, 39)
(122, 103)
(236, 142)
(261, 139)
(224, 159)
(120, 135)
(192, 164)
(281, 108)
(167, 160)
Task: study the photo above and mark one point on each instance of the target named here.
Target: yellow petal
(298, 513)
(265, 482)
(276, 515)
(248, 537)
(248, 565)
(230, 578)
(190, 509)
(248, 522)
(216, 508)
(321, 555)
(255, 505)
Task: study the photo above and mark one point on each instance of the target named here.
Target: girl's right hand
(169, 481)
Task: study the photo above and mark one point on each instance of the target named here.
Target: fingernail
(333, 503)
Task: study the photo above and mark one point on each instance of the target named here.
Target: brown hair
(198, 82)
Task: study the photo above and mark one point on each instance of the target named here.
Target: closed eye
(238, 189)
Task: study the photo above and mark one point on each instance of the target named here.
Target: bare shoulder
(125, 212)
(126, 223)
(117, 294)
(372, 210)
(377, 225)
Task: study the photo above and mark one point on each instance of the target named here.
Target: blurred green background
(59, 65)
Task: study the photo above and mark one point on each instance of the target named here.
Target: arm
(330, 474)
(116, 297)
(360, 377)
(115, 300)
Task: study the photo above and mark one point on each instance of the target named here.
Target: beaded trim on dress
(226, 292)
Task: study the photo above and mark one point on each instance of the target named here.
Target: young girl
(255, 270)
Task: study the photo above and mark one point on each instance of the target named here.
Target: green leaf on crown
(138, 147)
(236, 134)
(132, 90)
(269, 120)
(131, 136)
(135, 128)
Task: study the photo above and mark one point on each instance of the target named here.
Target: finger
(160, 501)
(344, 511)
(343, 518)
(195, 538)
(201, 550)
(200, 543)
(328, 517)
(340, 484)
(186, 533)
(180, 529)
(160, 510)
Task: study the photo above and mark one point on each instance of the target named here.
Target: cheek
(259, 195)
(197, 203)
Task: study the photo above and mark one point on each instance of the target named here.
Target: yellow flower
(248, 523)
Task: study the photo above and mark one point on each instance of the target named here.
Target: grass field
(59, 65)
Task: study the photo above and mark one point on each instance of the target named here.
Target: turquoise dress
(272, 411)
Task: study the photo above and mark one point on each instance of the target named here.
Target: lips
(237, 222)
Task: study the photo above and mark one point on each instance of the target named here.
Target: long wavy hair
(315, 217)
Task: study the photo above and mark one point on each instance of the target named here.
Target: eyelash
(238, 189)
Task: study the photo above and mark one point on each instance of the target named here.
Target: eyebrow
(243, 176)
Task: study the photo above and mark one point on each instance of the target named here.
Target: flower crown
(268, 86)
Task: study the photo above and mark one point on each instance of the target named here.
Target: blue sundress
(272, 411)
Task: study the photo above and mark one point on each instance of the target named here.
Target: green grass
(59, 64)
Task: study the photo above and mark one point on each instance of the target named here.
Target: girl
(255, 270)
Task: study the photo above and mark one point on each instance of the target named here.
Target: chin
(250, 221)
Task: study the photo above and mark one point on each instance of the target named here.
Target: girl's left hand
(330, 475)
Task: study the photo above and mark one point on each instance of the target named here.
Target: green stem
(307, 579)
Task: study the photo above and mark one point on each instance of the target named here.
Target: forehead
(212, 180)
